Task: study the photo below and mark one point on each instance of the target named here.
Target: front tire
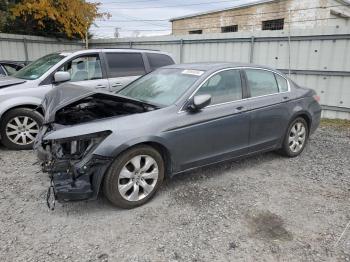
(19, 127)
(134, 177)
(296, 138)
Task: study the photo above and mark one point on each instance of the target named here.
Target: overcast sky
(123, 11)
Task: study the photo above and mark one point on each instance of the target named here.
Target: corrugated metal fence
(24, 48)
(317, 58)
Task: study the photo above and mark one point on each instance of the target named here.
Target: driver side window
(84, 68)
(225, 86)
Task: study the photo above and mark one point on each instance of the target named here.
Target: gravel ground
(264, 208)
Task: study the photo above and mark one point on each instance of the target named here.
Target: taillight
(317, 98)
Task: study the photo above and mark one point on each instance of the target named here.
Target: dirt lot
(264, 208)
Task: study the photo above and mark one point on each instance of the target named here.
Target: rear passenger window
(282, 83)
(223, 87)
(261, 82)
(159, 60)
(125, 64)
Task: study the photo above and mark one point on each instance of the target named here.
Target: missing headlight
(77, 147)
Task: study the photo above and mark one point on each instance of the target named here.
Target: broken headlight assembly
(74, 170)
(72, 150)
(75, 148)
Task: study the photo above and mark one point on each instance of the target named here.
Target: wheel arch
(11, 105)
(305, 115)
(155, 143)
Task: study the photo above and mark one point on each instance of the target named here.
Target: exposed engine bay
(98, 106)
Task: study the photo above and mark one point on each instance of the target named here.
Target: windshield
(39, 67)
(161, 87)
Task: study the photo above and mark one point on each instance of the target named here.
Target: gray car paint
(190, 139)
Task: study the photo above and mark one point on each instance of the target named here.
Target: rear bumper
(316, 119)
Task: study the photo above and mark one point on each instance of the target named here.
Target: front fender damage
(77, 181)
(76, 172)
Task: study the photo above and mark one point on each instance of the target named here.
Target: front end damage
(72, 133)
(75, 172)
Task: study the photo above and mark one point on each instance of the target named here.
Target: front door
(217, 132)
(86, 70)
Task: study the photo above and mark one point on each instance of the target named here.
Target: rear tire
(296, 138)
(19, 127)
(134, 177)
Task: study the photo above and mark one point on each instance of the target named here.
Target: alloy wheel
(22, 130)
(297, 137)
(138, 178)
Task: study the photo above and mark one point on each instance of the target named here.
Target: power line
(232, 16)
(145, 22)
(136, 20)
(156, 7)
(219, 27)
(144, 1)
(128, 2)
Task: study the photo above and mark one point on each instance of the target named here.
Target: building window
(229, 29)
(276, 24)
(195, 32)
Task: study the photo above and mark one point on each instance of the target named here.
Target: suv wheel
(134, 177)
(19, 128)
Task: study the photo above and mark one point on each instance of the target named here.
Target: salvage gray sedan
(177, 118)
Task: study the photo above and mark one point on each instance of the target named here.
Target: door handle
(285, 97)
(239, 108)
(101, 86)
(117, 85)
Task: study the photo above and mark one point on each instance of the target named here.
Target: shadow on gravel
(219, 169)
(170, 185)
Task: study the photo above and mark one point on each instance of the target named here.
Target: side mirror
(60, 77)
(198, 102)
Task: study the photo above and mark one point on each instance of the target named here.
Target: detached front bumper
(80, 180)
(76, 172)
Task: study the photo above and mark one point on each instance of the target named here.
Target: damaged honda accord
(174, 119)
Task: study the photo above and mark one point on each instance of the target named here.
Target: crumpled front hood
(66, 94)
(61, 96)
(7, 81)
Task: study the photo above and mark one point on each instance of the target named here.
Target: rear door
(269, 112)
(123, 68)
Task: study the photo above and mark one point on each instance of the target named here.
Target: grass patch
(339, 123)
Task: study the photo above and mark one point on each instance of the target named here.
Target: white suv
(22, 93)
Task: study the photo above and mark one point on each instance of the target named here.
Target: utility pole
(116, 32)
(87, 39)
(289, 43)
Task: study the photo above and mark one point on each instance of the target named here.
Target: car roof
(106, 50)
(213, 66)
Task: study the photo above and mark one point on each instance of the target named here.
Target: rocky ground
(264, 208)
